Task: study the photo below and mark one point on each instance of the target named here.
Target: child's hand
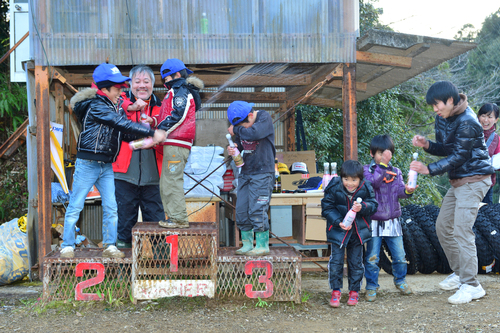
(138, 105)
(231, 151)
(230, 130)
(356, 207)
(386, 157)
(410, 190)
(160, 136)
(344, 227)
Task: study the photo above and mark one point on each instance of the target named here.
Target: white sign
(153, 289)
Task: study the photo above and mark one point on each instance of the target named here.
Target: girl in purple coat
(389, 187)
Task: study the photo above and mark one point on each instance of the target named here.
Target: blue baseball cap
(108, 74)
(172, 66)
(240, 110)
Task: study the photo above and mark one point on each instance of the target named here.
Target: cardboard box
(313, 209)
(292, 182)
(315, 228)
(307, 156)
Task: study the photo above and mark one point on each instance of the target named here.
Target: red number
(173, 240)
(249, 266)
(79, 296)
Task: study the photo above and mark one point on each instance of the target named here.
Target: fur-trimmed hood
(87, 93)
(195, 81)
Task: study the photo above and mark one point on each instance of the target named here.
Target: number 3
(79, 296)
(249, 266)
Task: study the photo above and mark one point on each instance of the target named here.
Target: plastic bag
(13, 253)
(201, 162)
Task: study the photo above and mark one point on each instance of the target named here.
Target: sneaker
(353, 298)
(450, 283)
(371, 295)
(67, 252)
(123, 245)
(112, 252)
(404, 288)
(335, 301)
(466, 293)
(173, 225)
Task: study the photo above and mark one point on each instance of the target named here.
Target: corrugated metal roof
(86, 32)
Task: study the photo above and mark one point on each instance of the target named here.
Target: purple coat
(387, 194)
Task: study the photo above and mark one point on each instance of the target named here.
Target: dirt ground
(427, 310)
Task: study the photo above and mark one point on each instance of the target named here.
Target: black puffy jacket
(336, 204)
(102, 124)
(460, 139)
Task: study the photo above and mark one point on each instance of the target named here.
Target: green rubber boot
(262, 244)
(247, 240)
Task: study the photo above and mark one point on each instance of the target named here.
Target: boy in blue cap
(103, 124)
(254, 135)
(177, 117)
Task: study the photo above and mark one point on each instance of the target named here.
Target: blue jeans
(372, 257)
(88, 173)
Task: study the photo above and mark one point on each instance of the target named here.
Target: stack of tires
(424, 253)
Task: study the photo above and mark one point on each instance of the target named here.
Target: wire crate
(276, 277)
(87, 276)
(174, 262)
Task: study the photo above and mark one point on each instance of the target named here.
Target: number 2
(79, 296)
(249, 266)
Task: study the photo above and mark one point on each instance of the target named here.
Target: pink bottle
(412, 175)
(333, 171)
(143, 121)
(351, 215)
(139, 144)
(326, 175)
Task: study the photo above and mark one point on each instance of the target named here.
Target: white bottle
(412, 175)
(351, 215)
(143, 121)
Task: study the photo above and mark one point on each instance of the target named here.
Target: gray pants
(454, 228)
(252, 204)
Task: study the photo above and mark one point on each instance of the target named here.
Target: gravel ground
(427, 310)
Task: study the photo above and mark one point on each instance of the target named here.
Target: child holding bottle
(340, 197)
(389, 187)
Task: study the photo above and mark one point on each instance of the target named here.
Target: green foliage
(262, 303)
(13, 185)
(369, 17)
(380, 114)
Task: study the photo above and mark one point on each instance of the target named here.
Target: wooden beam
(290, 143)
(216, 80)
(360, 86)
(43, 163)
(59, 98)
(323, 102)
(350, 116)
(297, 93)
(63, 80)
(383, 59)
(230, 96)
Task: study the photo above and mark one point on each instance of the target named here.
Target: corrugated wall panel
(86, 32)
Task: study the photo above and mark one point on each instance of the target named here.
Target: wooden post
(349, 111)
(43, 163)
(290, 127)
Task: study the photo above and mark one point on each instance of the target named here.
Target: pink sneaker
(353, 298)
(335, 301)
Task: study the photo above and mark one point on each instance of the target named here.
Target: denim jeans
(88, 173)
(372, 257)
